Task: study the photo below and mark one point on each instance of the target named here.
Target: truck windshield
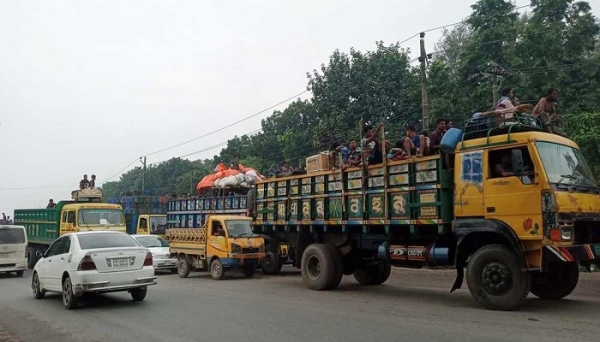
(237, 228)
(565, 165)
(104, 217)
(12, 236)
(158, 224)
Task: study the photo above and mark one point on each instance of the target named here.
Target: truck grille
(250, 250)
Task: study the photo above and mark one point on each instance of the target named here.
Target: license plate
(4, 255)
(122, 262)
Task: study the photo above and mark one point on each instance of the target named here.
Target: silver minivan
(13, 246)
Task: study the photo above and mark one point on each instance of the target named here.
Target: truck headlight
(261, 248)
(566, 234)
(235, 248)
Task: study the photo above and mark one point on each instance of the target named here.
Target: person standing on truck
(84, 183)
(93, 182)
(51, 204)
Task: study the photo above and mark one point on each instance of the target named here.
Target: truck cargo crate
(317, 162)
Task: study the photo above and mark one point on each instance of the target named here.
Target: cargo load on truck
(243, 177)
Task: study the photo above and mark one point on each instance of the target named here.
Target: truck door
(67, 222)
(513, 200)
(142, 225)
(217, 239)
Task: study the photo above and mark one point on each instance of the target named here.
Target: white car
(93, 262)
(159, 247)
(13, 244)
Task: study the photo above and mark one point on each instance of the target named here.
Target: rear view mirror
(517, 162)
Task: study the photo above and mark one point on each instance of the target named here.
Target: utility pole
(495, 88)
(423, 60)
(143, 160)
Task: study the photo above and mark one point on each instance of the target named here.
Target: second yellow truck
(225, 242)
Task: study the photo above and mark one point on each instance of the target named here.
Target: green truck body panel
(42, 225)
(415, 193)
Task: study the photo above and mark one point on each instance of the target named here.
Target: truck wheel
(495, 278)
(31, 258)
(216, 269)
(558, 283)
(248, 271)
(318, 267)
(184, 267)
(339, 267)
(271, 263)
(373, 275)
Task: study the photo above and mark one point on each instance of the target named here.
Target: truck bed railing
(197, 235)
(490, 126)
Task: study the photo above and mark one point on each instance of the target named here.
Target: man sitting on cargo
(545, 111)
(84, 183)
(414, 144)
(371, 147)
(354, 157)
(93, 182)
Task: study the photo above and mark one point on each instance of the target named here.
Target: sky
(87, 87)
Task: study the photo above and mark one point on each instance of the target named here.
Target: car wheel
(69, 300)
(20, 273)
(216, 269)
(138, 295)
(38, 293)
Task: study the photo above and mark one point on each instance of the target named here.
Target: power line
(230, 125)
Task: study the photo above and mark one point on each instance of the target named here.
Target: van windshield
(108, 217)
(12, 236)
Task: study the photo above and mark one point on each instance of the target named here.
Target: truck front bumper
(587, 252)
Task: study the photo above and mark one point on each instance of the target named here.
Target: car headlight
(261, 248)
(235, 248)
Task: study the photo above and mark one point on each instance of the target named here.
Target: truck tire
(559, 282)
(31, 258)
(495, 278)
(373, 275)
(318, 267)
(339, 267)
(216, 269)
(184, 267)
(248, 270)
(271, 264)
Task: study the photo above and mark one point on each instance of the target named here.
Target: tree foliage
(553, 44)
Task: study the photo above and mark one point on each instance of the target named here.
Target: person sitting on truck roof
(436, 136)
(545, 111)
(371, 146)
(93, 182)
(84, 183)
(51, 204)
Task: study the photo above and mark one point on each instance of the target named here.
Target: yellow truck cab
(84, 212)
(224, 242)
(151, 224)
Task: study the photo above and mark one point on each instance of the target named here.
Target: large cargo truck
(515, 207)
(84, 212)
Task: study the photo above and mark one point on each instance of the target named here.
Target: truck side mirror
(517, 162)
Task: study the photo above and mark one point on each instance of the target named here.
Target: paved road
(414, 305)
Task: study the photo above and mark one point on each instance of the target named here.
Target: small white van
(13, 246)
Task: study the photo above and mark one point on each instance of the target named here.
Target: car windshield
(106, 240)
(104, 217)
(565, 165)
(237, 228)
(158, 224)
(10, 236)
(152, 241)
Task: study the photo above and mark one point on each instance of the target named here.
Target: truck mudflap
(577, 253)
